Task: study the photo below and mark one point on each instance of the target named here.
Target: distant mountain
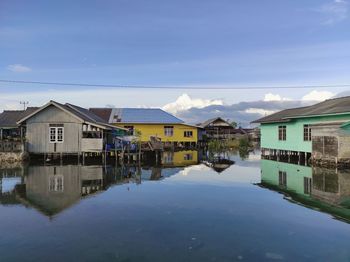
(242, 113)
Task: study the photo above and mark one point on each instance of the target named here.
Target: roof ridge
(76, 108)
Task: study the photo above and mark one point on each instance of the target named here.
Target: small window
(56, 183)
(52, 134)
(59, 134)
(188, 134)
(168, 158)
(188, 157)
(56, 134)
(282, 133)
(282, 178)
(168, 130)
(307, 185)
(307, 133)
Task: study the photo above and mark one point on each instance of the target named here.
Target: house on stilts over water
(57, 129)
(151, 123)
(319, 133)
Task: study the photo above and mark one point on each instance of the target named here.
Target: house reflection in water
(172, 163)
(327, 190)
(51, 189)
(179, 158)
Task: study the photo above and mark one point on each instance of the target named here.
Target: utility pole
(24, 103)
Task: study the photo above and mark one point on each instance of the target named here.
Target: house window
(282, 178)
(307, 133)
(56, 183)
(188, 133)
(307, 185)
(188, 157)
(168, 158)
(168, 130)
(56, 133)
(282, 133)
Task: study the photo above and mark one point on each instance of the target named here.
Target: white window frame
(54, 136)
(56, 183)
(188, 133)
(169, 131)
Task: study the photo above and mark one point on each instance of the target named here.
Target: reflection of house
(219, 165)
(291, 177)
(65, 129)
(150, 122)
(179, 158)
(331, 186)
(9, 177)
(319, 188)
(159, 173)
(51, 189)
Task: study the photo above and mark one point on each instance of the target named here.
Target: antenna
(24, 103)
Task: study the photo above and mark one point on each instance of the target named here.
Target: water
(253, 210)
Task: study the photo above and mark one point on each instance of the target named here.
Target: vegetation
(234, 124)
(217, 147)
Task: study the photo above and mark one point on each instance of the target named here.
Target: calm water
(253, 210)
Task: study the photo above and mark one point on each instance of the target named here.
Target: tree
(233, 124)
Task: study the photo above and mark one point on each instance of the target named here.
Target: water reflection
(327, 190)
(53, 188)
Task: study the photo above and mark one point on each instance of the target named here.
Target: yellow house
(151, 122)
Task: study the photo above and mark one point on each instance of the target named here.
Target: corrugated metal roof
(84, 114)
(137, 115)
(9, 118)
(328, 107)
(80, 112)
(104, 113)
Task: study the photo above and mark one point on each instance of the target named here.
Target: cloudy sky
(197, 43)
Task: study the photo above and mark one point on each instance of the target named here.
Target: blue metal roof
(144, 115)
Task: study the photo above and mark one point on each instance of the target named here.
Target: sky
(197, 43)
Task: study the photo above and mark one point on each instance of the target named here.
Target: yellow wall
(180, 158)
(148, 130)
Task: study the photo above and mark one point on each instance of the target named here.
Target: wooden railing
(11, 146)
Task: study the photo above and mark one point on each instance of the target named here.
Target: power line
(172, 87)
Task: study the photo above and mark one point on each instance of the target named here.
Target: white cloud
(275, 97)
(9, 105)
(185, 102)
(317, 96)
(335, 11)
(260, 111)
(18, 68)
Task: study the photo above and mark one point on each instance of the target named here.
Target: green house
(293, 131)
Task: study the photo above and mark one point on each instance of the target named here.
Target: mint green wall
(295, 174)
(295, 133)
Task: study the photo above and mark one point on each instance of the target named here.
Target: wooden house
(66, 129)
(218, 128)
(11, 134)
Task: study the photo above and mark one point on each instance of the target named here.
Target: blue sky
(162, 42)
